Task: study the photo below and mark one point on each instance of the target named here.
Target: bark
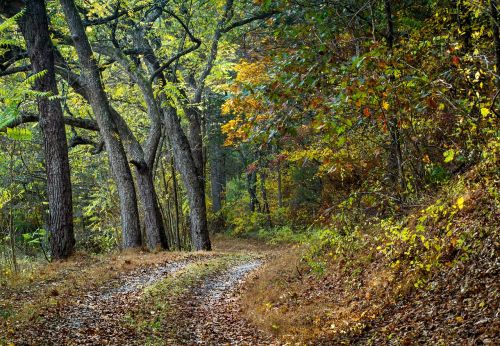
(280, 191)
(97, 98)
(390, 23)
(153, 222)
(251, 177)
(252, 190)
(34, 26)
(196, 141)
(265, 207)
(216, 160)
(176, 203)
(143, 159)
(194, 186)
(87, 124)
(217, 179)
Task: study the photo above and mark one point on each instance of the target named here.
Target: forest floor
(245, 293)
(136, 299)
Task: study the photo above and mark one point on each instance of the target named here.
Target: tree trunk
(252, 190)
(390, 24)
(194, 185)
(218, 179)
(265, 202)
(98, 101)
(153, 221)
(154, 230)
(216, 159)
(188, 162)
(176, 203)
(34, 26)
(196, 140)
(280, 191)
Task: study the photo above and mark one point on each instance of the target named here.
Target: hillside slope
(430, 277)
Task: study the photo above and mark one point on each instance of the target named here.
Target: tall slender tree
(100, 106)
(34, 26)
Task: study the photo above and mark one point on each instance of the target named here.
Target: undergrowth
(345, 275)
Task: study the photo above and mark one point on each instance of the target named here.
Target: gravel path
(96, 317)
(208, 315)
(211, 315)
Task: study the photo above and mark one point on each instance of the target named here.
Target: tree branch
(14, 70)
(242, 22)
(25, 117)
(195, 40)
(213, 51)
(116, 15)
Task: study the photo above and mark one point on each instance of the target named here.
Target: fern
(10, 23)
(31, 79)
(8, 115)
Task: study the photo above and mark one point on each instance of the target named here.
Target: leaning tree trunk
(153, 221)
(194, 186)
(34, 26)
(99, 103)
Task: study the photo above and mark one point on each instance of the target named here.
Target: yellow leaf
(485, 111)
(385, 105)
(460, 203)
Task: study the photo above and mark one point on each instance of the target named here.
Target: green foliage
(35, 238)
(283, 235)
(101, 216)
(99, 242)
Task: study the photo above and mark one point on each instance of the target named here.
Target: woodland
(249, 172)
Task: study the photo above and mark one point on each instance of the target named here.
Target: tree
(99, 103)
(34, 26)
(173, 97)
